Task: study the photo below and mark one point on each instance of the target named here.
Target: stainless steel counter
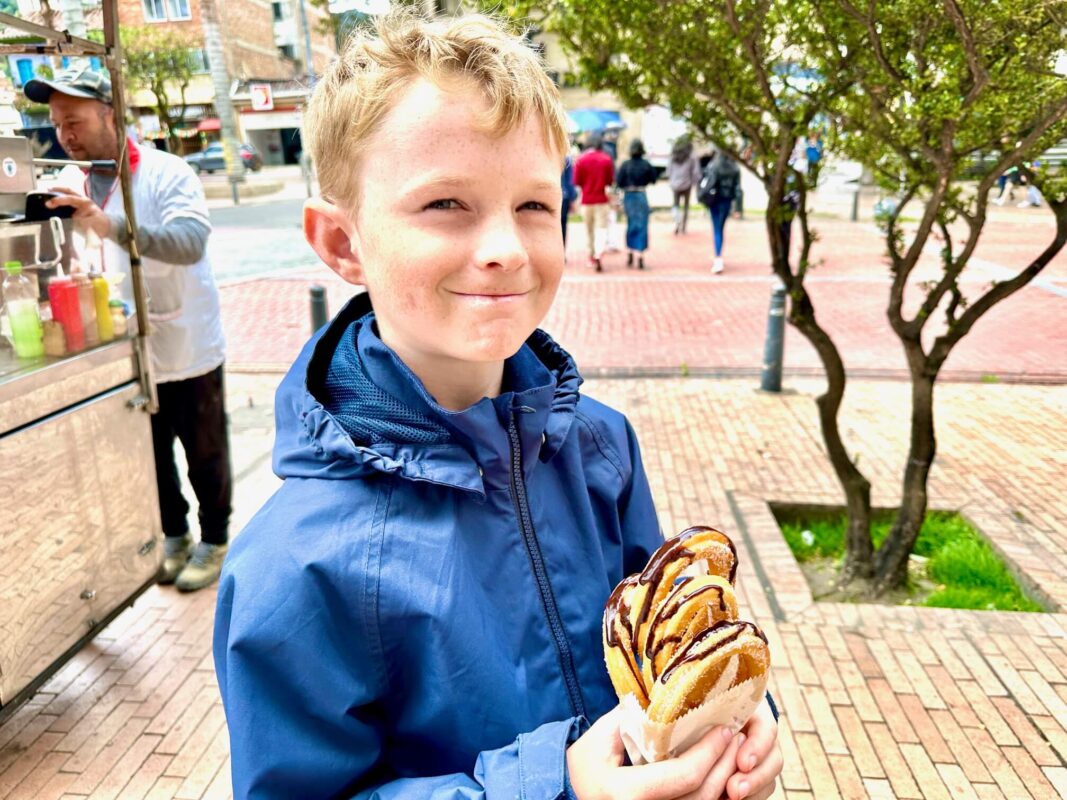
(80, 526)
(30, 391)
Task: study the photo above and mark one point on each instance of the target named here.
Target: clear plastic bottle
(23, 312)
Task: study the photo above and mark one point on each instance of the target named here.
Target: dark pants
(194, 411)
(566, 212)
(681, 200)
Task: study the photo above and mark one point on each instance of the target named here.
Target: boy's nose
(500, 246)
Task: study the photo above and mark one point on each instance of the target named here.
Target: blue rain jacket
(416, 612)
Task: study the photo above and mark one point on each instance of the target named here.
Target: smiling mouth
(491, 296)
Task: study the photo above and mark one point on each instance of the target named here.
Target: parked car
(211, 158)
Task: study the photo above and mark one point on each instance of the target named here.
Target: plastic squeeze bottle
(102, 296)
(87, 308)
(20, 300)
(66, 310)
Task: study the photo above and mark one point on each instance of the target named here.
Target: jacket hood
(349, 407)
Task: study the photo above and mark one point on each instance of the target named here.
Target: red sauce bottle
(66, 310)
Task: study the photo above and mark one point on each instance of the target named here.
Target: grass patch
(955, 568)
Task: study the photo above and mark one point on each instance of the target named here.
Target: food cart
(80, 528)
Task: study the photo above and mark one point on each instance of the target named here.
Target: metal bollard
(774, 346)
(319, 314)
(855, 215)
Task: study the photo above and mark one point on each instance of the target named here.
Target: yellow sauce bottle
(101, 297)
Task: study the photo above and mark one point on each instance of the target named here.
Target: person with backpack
(683, 173)
(717, 190)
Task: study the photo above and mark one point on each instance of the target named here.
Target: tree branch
(1001, 291)
(974, 64)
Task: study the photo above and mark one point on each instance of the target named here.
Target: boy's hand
(594, 764)
(760, 760)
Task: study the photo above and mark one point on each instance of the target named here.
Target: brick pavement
(878, 701)
(677, 317)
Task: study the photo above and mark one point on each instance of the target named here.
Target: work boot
(203, 568)
(176, 551)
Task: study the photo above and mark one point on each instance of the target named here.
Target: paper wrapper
(648, 741)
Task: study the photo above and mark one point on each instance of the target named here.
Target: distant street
(257, 239)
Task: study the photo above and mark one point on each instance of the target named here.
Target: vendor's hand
(759, 761)
(87, 214)
(595, 766)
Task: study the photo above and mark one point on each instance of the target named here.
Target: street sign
(262, 98)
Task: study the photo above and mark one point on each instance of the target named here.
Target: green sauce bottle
(20, 301)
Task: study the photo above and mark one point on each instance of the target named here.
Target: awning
(209, 124)
(595, 119)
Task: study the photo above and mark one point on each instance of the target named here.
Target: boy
(416, 612)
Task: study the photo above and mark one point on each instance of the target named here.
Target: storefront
(272, 120)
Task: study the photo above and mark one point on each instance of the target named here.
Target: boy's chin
(491, 349)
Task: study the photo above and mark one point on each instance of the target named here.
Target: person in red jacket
(593, 173)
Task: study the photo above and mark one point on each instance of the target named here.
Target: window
(280, 10)
(25, 68)
(198, 60)
(163, 10)
(287, 51)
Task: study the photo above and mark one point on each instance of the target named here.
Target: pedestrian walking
(186, 332)
(717, 191)
(683, 173)
(594, 172)
(1007, 183)
(635, 174)
(570, 194)
(615, 232)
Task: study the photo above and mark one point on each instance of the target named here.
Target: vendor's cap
(77, 82)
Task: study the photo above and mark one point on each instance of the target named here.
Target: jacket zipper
(537, 564)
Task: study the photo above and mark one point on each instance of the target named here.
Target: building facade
(263, 44)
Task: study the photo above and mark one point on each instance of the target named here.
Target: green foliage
(969, 573)
(159, 60)
(727, 68)
(9, 7)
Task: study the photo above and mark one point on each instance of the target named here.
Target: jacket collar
(541, 394)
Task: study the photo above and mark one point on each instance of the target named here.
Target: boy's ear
(329, 231)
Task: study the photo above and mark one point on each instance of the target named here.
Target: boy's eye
(533, 205)
(443, 205)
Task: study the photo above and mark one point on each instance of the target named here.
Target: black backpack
(715, 184)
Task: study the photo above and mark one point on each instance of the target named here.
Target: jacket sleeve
(302, 682)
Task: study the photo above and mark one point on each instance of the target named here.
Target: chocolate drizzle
(692, 652)
(668, 609)
(617, 608)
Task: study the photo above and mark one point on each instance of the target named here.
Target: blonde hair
(361, 86)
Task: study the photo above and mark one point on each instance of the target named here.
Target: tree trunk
(891, 561)
(858, 563)
(220, 79)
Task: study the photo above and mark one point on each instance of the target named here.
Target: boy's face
(457, 232)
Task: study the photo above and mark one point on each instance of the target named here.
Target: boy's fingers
(714, 784)
(759, 783)
(681, 776)
(761, 733)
